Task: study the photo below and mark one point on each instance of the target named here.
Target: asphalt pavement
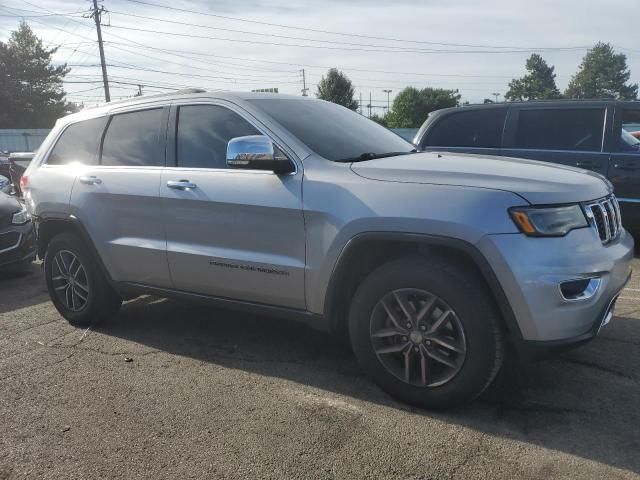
(172, 390)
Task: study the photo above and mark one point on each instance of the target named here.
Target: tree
(381, 119)
(337, 88)
(538, 84)
(31, 92)
(602, 74)
(411, 106)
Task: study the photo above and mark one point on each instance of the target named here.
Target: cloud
(205, 61)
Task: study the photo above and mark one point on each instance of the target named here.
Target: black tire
(101, 303)
(466, 295)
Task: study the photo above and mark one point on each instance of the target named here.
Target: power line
(326, 47)
(262, 34)
(337, 33)
(318, 67)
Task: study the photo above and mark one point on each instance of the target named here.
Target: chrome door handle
(90, 180)
(181, 185)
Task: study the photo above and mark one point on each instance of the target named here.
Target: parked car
(18, 163)
(4, 164)
(17, 237)
(594, 135)
(298, 207)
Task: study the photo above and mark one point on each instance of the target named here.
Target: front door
(230, 233)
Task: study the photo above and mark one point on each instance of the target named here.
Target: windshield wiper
(372, 156)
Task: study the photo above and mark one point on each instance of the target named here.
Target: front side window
(78, 143)
(204, 132)
(333, 132)
(473, 128)
(630, 134)
(133, 139)
(578, 129)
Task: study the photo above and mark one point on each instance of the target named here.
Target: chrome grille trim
(604, 217)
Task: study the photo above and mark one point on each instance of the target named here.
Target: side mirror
(257, 152)
(5, 185)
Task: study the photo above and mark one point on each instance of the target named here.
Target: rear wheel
(76, 284)
(426, 332)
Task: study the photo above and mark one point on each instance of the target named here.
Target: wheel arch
(366, 251)
(48, 227)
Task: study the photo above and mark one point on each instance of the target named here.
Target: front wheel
(77, 286)
(426, 332)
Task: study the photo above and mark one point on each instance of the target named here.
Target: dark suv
(596, 135)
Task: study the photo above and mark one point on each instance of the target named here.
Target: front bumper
(17, 244)
(530, 271)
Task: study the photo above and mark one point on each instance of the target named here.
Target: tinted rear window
(133, 139)
(473, 128)
(332, 131)
(78, 143)
(561, 129)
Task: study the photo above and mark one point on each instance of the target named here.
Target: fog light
(580, 289)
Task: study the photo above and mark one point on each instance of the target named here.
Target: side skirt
(315, 321)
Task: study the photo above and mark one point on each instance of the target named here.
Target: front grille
(604, 217)
(9, 240)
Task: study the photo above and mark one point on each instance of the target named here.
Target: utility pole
(139, 94)
(369, 105)
(387, 92)
(496, 95)
(360, 103)
(96, 14)
(304, 84)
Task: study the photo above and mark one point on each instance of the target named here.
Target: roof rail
(176, 92)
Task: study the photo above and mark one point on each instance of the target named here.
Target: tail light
(24, 183)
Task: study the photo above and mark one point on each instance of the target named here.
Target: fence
(22, 139)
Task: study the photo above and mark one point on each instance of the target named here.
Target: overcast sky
(474, 46)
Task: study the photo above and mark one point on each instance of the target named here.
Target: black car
(597, 135)
(18, 163)
(17, 238)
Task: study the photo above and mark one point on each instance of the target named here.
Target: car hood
(536, 182)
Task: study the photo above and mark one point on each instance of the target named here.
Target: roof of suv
(105, 108)
(539, 103)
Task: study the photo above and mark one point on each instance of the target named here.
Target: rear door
(467, 131)
(233, 233)
(118, 200)
(569, 135)
(624, 166)
(51, 183)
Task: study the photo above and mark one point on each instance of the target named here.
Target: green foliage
(411, 106)
(602, 74)
(31, 93)
(337, 88)
(538, 84)
(381, 119)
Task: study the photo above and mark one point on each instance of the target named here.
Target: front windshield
(629, 142)
(333, 132)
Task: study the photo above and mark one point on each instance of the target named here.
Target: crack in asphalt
(15, 334)
(474, 453)
(595, 366)
(40, 367)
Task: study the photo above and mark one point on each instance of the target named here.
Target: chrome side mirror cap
(256, 152)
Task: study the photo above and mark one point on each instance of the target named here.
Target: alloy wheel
(418, 337)
(70, 281)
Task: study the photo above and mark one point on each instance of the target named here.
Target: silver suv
(432, 262)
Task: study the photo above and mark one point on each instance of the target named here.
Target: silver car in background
(431, 262)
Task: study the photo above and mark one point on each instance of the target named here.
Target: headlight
(21, 217)
(548, 221)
